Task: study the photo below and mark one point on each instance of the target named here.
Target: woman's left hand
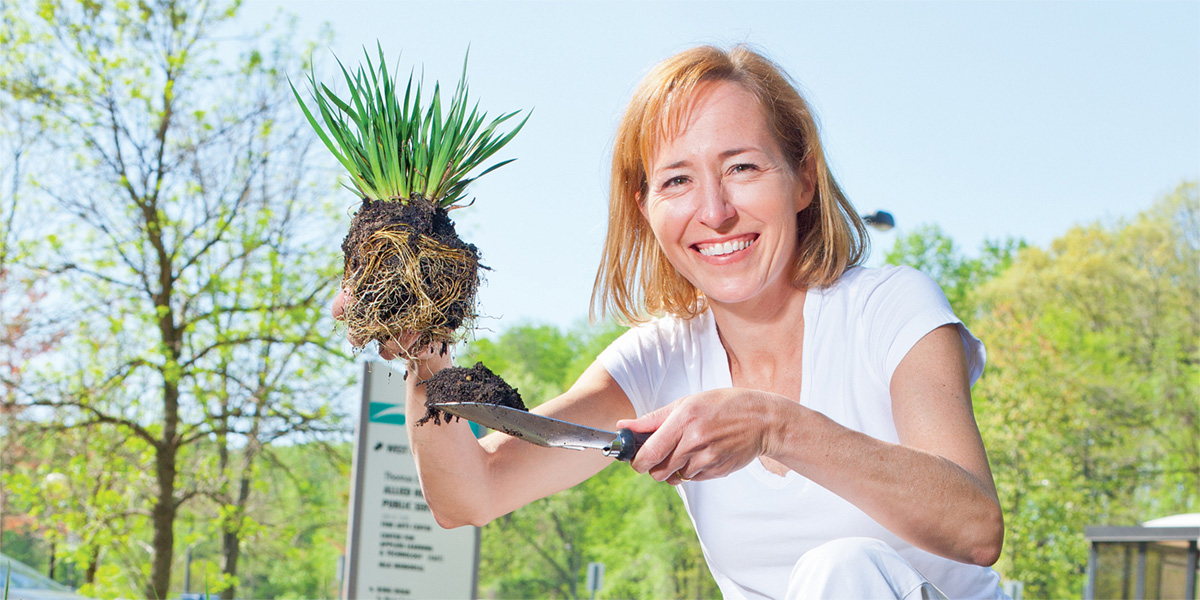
(706, 435)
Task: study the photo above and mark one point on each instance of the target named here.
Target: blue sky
(990, 119)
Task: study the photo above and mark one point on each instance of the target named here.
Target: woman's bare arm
(933, 489)
(468, 481)
(471, 482)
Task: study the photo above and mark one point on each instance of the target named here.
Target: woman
(815, 415)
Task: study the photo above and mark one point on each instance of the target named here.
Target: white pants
(859, 569)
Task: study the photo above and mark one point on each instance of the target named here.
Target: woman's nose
(716, 211)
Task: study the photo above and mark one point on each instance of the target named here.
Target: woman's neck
(764, 338)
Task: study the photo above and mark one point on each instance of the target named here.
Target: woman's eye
(680, 180)
(743, 167)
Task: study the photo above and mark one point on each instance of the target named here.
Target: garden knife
(545, 431)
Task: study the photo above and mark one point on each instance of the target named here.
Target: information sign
(396, 550)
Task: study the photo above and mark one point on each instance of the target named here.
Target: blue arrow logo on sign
(382, 412)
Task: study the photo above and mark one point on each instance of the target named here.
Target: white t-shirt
(754, 525)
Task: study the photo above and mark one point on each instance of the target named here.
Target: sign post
(595, 578)
(395, 549)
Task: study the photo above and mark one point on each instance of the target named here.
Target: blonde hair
(634, 279)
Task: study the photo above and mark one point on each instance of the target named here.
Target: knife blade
(547, 431)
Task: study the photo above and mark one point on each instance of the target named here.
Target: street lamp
(880, 221)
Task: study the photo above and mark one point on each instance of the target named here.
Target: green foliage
(77, 502)
(292, 532)
(298, 524)
(1090, 404)
(395, 149)
(23, 543)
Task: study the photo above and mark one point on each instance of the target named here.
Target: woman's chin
(730, 296)
(747, 293)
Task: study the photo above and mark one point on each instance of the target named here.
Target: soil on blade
(461, 384)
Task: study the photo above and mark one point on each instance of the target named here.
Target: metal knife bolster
(626, 445)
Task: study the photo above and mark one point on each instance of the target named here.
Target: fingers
(700, 437)
(339, 304)
(390, 349)
(340, 301)
(679, 467)
(678, 477)
(673, 470)
(648, 422)
(654, 455)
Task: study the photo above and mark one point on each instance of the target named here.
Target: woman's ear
(807, 188)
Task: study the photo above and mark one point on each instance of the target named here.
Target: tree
(197, 255)
(1089, 405)
(307, 508)
(293, 532)
(535, 359)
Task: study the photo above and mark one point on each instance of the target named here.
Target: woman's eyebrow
(735, 152)
(679, 164)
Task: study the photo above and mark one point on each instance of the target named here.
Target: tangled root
(411, 283)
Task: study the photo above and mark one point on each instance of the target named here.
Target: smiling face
(722, 199)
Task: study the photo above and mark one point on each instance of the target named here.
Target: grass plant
(394, 148)
(410, 158)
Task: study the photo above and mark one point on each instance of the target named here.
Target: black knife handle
(625, 447)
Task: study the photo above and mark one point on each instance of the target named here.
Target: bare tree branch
(99, 417)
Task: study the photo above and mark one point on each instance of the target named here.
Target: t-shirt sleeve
(635, 362)
(902, 308)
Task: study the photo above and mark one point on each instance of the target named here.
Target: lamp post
(880, 220)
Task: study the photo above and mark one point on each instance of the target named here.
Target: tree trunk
(231, 542)
(165, 507)
(233, 532)
(89, 576)
(163, 517)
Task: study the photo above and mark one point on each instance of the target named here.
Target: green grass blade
(320, 131)
(395, 147)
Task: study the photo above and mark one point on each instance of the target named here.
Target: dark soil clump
(417, 215)
(408, 270)
(460, 384)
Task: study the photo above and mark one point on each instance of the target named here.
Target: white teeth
(725, 248)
